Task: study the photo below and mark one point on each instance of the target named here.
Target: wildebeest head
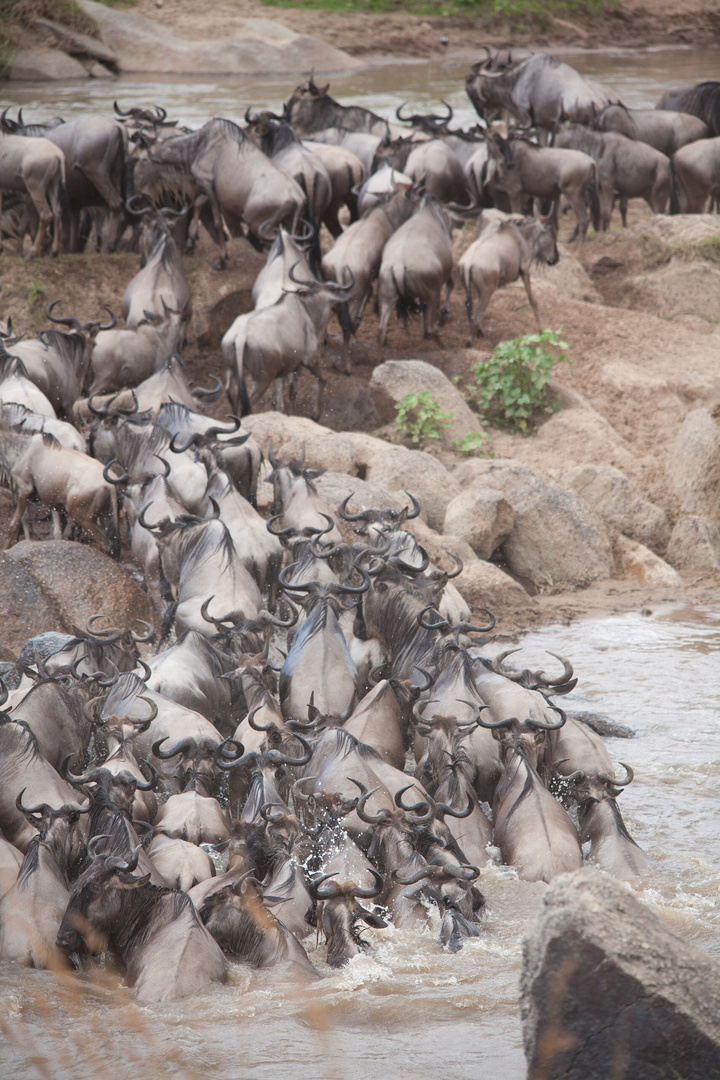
(97, 902)
(60, 830)
(340, 915)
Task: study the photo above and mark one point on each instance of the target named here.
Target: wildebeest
(416, 263)
(310, 109)
(35, 167)
(128, 357)
(97, 171)
(160, 283)
(539, 90)
(697, 176)
(625, 168)
(228, 174)
(499, 257)
(358, 252)
(267, 345)
(524, 170)
(701, 100)
(155, 931)
(666, 130)
(63, 479)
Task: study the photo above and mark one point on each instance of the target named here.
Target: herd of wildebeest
(321, 714)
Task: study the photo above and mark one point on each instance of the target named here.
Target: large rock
(484, 519)
(608, 990)
(484, 585)
(80, 581)
(385, 465)
(695, 545)
(680, 288)
(556, 538)
(262, 46)
(638, 561)
(75, 43)
(43, 65)
(26, 608)
(608, 491)
(694, 465)
(395, 379)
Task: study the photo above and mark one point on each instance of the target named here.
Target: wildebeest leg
(583, 218)
(387, 296)
(468, 283)
(277, 394)
(56, 525)
(445, 309)
(23, 496)
(44, 219)
(624, 210)
(525, 274)
(221, 262)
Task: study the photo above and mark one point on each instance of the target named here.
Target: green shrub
(420, 419)
(473, 443)
(512, 385)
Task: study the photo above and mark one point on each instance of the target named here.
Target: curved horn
(459, 564)
(417, 875)
(414, 510)
(147, 785)
(278, 757)
(356, 589)
(209, 395)
(213, 432)
(284, 583)
(28, 812)
(371, 819)
(629, 777)
(342, 510)
(443, 624)
(374, 890)
(108, 637)
(278, 532)
(268, 617)
(272, 818)
(183, 747)
(329, 892)
(443, 810)
(147, 636)
(123, 479)
(119, 111)
(497, 662)
(564, 678)
(101, 326)
(464, 872)
(71, 321)
(550, 727)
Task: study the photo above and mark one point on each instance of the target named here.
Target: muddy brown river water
(407, 1009)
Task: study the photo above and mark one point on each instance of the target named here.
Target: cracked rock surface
(609, 991)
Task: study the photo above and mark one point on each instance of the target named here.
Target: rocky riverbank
(58, 40)
(612, 504)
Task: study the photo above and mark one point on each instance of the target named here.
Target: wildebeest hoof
(220, 264)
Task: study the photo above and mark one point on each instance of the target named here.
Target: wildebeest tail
(346, 323)
(594, 201)
(674, 201)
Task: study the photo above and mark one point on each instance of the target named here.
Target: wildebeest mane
(31, 861)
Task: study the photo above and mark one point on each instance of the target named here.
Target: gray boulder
(695, 545)
(555, 539)
(694, 465)
(607, 989)
(80, 581)
(258, 46)
(484, 519)
(607, 490)
(393, 380)
(27, 609)
(43, 65)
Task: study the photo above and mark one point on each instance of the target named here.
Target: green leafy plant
(36, 293)
(420, 419)
(473, 443)
(512, 385)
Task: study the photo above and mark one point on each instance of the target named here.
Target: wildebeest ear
(373, 920)
(312, 474)
(152, 317)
